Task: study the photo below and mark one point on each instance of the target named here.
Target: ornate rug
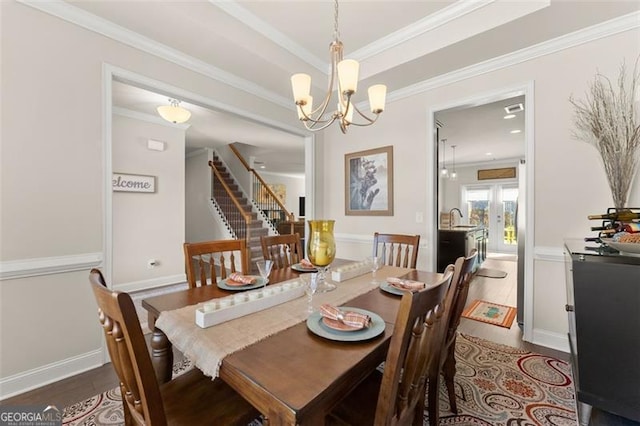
(496, 385)
(491, 313)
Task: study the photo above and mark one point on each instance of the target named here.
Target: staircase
(257, 228)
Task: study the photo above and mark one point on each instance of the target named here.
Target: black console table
(603, 303)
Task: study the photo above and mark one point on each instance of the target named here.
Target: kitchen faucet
(451, 215)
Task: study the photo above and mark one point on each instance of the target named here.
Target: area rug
(490, 273)
(491, 313)
(495, 385)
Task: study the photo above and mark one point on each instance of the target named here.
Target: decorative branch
(608, 120)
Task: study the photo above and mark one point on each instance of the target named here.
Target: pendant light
(444, 172)
(454, 174)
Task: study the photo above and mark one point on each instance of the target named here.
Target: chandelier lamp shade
(173, 112)
(443, 171)
(344, 81)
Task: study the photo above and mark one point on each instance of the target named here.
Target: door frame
(526, 89)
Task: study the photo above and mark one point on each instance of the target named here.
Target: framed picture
(504, 173)
(133, 183)
(369, 182)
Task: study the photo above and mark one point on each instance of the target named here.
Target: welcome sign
(133, 183)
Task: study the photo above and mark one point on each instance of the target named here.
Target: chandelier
(174, 112)
(344, 76)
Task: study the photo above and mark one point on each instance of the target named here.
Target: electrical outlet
(419, 217)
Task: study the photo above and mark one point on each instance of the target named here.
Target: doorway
(513, 234)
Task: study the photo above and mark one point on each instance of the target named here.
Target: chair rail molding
(22, 268)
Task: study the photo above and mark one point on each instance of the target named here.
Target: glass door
(494, 207)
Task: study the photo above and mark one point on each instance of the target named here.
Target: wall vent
(514, 108)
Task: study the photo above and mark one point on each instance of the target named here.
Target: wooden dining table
(293, 376)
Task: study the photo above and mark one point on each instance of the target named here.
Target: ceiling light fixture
(174, 113)
(454, 174)
(516, 131)
(509, 116)
(344, 79)
(444, 172)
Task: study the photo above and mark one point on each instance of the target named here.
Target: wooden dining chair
(206, 261)
(397, 249)
(397, 396)
(456, 301)
(283, 250)
(189, 399)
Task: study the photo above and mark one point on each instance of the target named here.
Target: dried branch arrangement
(608, 120)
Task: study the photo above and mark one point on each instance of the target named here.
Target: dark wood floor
(502, 291)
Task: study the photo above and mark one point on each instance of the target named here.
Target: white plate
(259, 283)
(318, 327)
(627, 248)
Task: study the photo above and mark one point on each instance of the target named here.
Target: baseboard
(550, 339)
(37, 377)
(151, 283)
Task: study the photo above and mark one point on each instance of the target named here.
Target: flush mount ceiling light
(509, 116)
(343, 79)
(174, 112)
(515, 131)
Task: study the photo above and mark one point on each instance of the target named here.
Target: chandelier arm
(361, 114)
(312, 128)
(309, 118)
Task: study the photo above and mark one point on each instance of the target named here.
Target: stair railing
(238, 220)
(264, 198)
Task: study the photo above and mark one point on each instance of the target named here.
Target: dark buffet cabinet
(458, 241)
(603, 305)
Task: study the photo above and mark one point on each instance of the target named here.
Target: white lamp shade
(377, 97)
(301, 85)
(307, 108)
(348, 116)
(174, 114)
(348, 75)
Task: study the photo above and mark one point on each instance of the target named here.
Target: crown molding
(576, 38)
(426, 24)
(74, 15)
(255, 23)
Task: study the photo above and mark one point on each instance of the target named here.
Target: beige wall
(569, 180)
(52, 179)
(148, 225)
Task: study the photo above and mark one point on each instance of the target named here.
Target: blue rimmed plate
(316, 325)
(260, 282)
(391, 289)
(298, 267)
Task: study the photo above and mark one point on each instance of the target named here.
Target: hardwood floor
(502, 291)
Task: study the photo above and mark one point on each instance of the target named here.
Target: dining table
(293, 376)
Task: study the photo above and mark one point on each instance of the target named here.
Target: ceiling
(398, 43)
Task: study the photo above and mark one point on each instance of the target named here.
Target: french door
(494, 206)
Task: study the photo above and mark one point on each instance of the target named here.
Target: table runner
(207, 347)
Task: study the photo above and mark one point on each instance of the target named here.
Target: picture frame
(503, 173)
(369, 182)
(122, 182)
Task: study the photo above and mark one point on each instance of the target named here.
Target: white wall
(148, 225)
(294, 185)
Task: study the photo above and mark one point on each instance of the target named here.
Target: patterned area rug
(496, 385)
(491, 313)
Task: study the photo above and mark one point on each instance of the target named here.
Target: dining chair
(205, 261)
(397, 249)
(188, 399)
(456, 301)
(397, 395)
(284, 250)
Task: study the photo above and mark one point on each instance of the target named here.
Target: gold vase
(321, 249)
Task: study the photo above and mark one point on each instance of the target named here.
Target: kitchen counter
(458, 241)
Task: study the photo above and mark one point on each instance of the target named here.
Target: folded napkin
(352, 319)
(238, 279)
(306, 264)
(405, 284)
